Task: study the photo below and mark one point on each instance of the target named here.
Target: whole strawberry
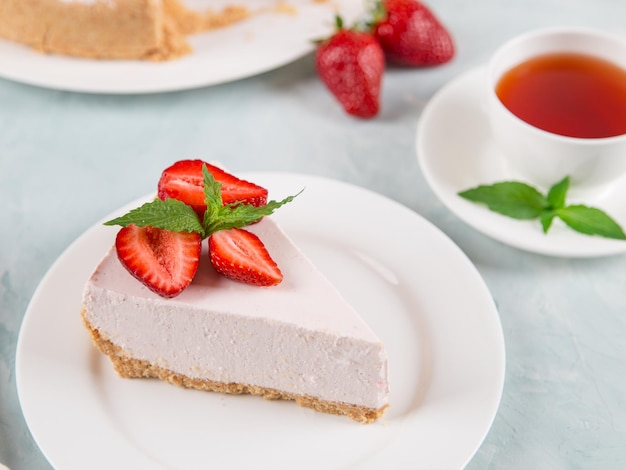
(411, 35)
(351, 65)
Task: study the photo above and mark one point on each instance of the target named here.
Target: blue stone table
(67, 159)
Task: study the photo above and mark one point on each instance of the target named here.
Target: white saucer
(456, 152)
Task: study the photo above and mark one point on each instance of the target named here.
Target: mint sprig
(522, 201)
(223, 217)
(176, 216)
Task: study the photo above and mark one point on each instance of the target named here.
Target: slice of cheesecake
(299, 340)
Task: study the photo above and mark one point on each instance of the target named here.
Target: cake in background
(113, 29)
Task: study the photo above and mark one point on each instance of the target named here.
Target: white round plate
(446, 356)
(259, 44)
(456, 151)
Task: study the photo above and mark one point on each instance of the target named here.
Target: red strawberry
(351, 65)
(164, 261)
(241, 255)
(410, 34)
(183, 181)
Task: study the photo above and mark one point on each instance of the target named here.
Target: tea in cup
(557, 106)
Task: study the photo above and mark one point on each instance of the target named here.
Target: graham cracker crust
(126, 29)
(129, 367)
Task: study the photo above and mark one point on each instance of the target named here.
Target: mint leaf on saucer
(558, 193)
(510, 198)
(546, 220)
(590, 221)
(522, 201)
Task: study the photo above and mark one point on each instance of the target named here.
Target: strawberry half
(351, 65)
(164, 261)
(183, 181)
(241, 255)
(411, 35)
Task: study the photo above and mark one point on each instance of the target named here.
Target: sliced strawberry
(164, 261)
(183, 181)
(241, 255)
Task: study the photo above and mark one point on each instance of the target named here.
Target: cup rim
(546, 32)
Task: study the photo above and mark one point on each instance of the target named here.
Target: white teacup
(544, 158)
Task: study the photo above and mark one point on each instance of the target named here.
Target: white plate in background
(255, 45)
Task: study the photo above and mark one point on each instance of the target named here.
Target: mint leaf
(521, 201)
(557, 193)
(510, 198)
(212, 195)
(240, 215)
(223, 217)
(170, 214)
(546, 220)
(590, 221)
